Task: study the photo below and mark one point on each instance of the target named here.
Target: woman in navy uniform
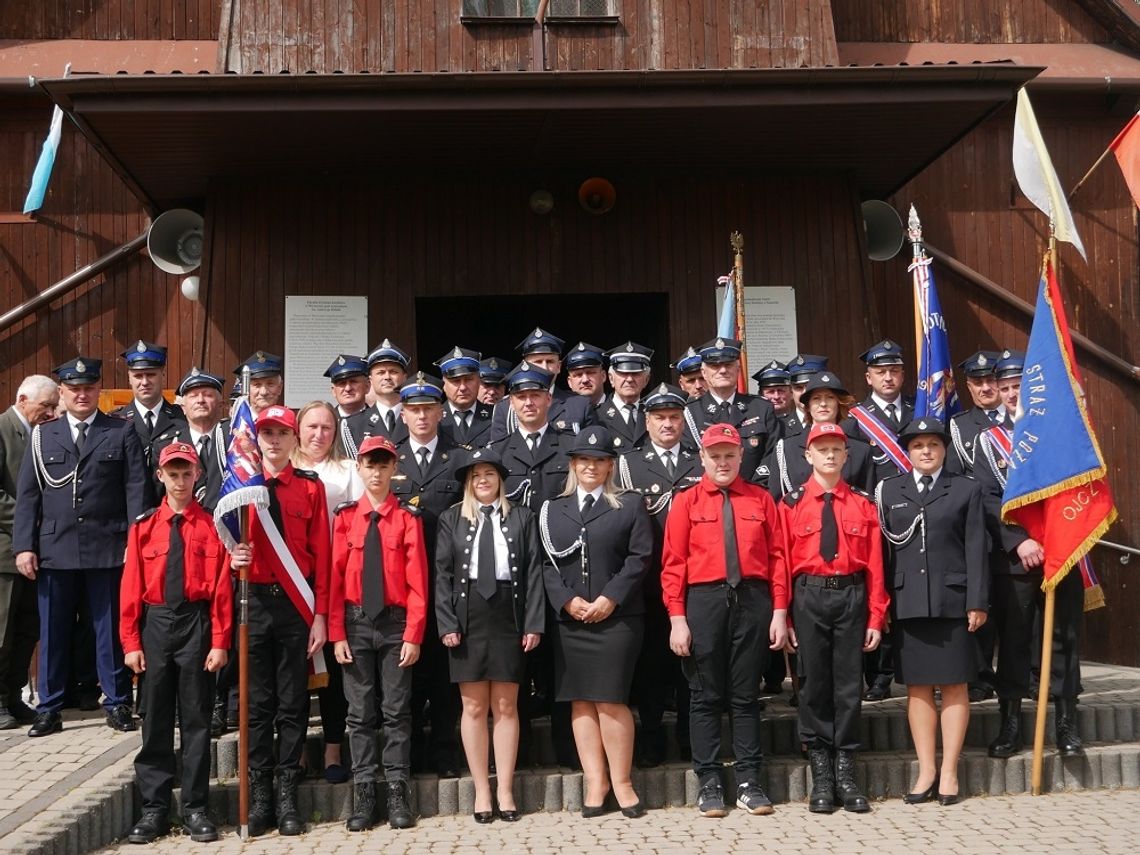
(490, 608)
(598, 546)
(938, 579)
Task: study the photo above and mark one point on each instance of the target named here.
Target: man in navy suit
(82, 482)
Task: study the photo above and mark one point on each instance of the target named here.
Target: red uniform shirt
(694, 541)
(860, 541)
(305, 518)
(405, 564)
(205, 573)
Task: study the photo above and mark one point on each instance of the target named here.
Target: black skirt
(595, 661)
(935, 652)
(491, 649)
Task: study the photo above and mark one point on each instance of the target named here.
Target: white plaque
(317, 329)
(769, 326)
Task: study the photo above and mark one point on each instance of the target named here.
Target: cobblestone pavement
(1022, 824)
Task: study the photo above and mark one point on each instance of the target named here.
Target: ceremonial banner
(1036, 176)
(726, 324)
(1126, 147)
(1056, 488)
(936, 395)
(243, 484)
(42, 174)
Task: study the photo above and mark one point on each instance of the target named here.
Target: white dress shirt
(502, 556)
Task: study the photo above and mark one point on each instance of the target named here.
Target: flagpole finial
(737, 240)
(914, 226)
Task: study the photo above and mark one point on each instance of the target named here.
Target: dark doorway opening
(495, 325)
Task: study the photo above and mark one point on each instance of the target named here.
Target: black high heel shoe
(484, 817)
(509, 815)
(634, 811)
(947, 800)
(925, 796)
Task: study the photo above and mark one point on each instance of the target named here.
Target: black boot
(260, 801)
(1008, 741)
(822, 781)
(365, 812)
(399, 810)
(218, 720)
(846, 790)
(1068, 739)
(289, 820)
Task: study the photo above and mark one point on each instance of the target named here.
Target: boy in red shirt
(838, 604)
(176, 611)
(377, 616)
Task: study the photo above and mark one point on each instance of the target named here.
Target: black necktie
(203, 449)
(670, 464)
(80, 436)
(995, 416)
(275, 506)
(828, 530)
(173, 592)
(423, 455)
(149, 424)
(485, 584)
(893, 414)
(631, 415)
(462, 421)
(925, 482)
(372, 573)
(532, 439)
(390, 422)
(731, 550)
(587, 503)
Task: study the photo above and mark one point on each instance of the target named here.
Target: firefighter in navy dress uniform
(266, 380)
(622, 414)
(938, 580)
(586, 372)
(83, 480)
(689, 377)
(987, 410)
(348, 376)
(149, 412)
(658, 469)
(801, 368)
(492, 380)
(466, 420)
(388, 371)
(598, 545)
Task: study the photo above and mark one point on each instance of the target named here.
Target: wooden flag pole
(1043, 690)
(243, 663)
(1092, 169)
(737, 240)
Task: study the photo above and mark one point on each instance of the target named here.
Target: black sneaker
(750, 797)
(710, 801)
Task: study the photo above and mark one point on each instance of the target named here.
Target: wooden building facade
(389, 147)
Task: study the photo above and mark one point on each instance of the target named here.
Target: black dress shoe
(22, 712)
(218, 725)
(45, 723)
(923, 796)
(119, 718)
(634, 811)
(979, 692)
(200, 827)
(484, 817)
(7, 720)
(151, 826)
(945, 800)
(509, 815)
(877, 692)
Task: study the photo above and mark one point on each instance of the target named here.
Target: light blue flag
(726, 326)
(42, 175)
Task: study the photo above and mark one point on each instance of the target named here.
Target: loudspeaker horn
(175, 241)
(884, 227)
(597, 196)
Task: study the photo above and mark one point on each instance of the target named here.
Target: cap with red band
(377, 443)
(177, 451)
(277, 416)
(824, 430)
(720, 433)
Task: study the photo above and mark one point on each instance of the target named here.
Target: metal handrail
(1128, 551)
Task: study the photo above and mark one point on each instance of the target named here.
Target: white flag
(1036, 176)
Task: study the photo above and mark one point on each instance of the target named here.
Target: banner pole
(243, 663)
(1092, 169)
(1043, 690)
(737, 240)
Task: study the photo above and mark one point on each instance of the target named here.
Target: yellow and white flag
(1036, 176)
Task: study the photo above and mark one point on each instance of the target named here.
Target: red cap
(377, 443)
(720, 433)
(824, 429)
(279, 416)
(178, 451)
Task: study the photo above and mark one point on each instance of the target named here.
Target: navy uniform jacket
(208, 487)
(368, 422)
(884, 468)
(478, 432)
(751, 415)
(613, 419)
(82, 524)
(945, 575)
(433, 491)
(858, 471)
(455, 544)
(535, 478)
(964, 430)
(618, 546)
(1004, 539)
(790, 424)
(168, 414)
(568, 412)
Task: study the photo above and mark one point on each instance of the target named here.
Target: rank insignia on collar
(900, 505)
(740, 405)
(444, 455)
(611, 412)
(375, 418)
(560, 424)
(711, 408)
(649, 455)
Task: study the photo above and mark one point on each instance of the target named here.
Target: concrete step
(882, 775)
(884, 729)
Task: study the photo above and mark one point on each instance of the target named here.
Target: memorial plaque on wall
(769, 325)
(316, 330)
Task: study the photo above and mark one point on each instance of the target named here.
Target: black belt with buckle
(833, 583)
(272, 589)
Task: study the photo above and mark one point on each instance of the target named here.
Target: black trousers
(175, 643)
(1013, 611)
(1068, 614)
(729, 651)
(19, 633)
(830, 623)
(879, 664)
(278, 679)
(334, 706)
(226, 680)
(658, 675)
(375, 670)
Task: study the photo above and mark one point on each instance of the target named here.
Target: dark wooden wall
(109, 19)
(981, 21)
(427, 35)
(969, 209)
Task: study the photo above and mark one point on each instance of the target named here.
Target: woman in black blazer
(939, 582)
(490, 608)
(598, 545)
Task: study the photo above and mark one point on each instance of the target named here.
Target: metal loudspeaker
(884, 227)
(175, 241)
(596, 195)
